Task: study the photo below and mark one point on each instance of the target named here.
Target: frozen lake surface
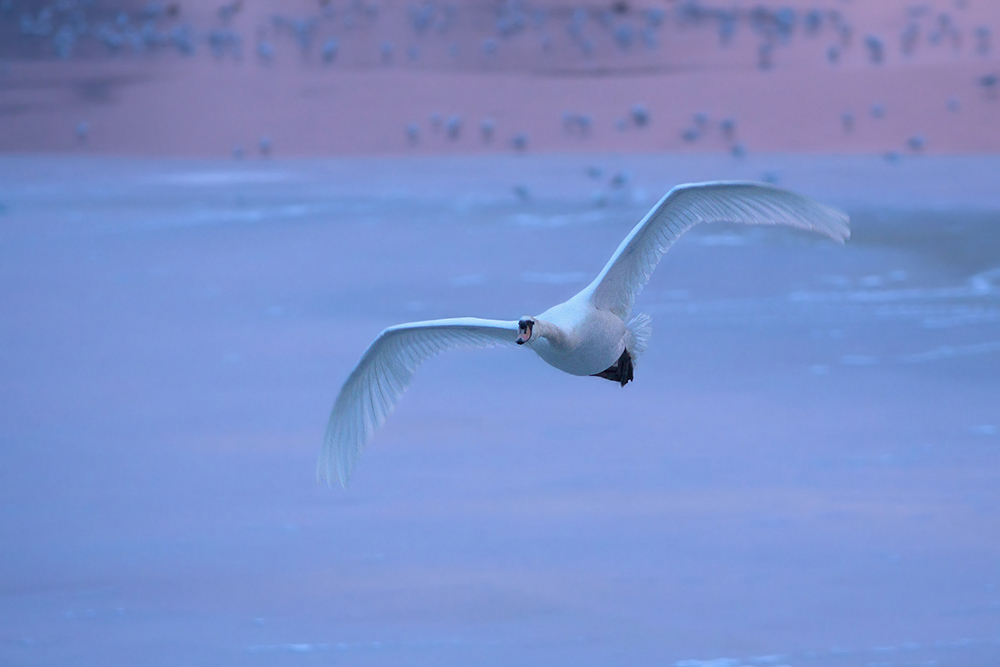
(805, 472)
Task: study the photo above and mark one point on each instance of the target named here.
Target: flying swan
(590, 334)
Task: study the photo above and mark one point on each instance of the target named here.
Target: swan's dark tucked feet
(620, 372)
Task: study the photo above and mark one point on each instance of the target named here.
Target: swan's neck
(550, 332)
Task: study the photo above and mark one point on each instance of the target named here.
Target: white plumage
(590, 334)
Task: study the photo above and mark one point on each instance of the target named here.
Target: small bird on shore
(591, 334)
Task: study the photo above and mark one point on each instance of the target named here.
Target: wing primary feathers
(373, 388)
(629, 269)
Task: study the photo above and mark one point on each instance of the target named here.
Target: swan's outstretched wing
(682, 208)
(370, 393)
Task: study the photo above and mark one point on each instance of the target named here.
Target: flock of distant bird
(70, 28)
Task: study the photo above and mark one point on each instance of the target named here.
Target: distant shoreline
(879, 78)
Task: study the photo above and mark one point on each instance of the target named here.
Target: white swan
(590, 334)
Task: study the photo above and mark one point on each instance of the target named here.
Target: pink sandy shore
(932, 100)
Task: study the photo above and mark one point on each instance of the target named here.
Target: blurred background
(208, 210)
(400, 77)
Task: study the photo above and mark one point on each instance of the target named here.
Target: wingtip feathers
(835, 223)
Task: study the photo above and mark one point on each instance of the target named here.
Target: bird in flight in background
(593, 333)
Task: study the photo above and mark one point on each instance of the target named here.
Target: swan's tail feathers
(639, 329)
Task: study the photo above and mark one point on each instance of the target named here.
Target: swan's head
(525, 330)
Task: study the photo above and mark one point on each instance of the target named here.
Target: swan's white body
(580, 339)
(586, 335)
